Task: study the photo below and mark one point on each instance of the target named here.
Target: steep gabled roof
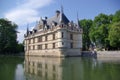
(64, 19)
(58, 19)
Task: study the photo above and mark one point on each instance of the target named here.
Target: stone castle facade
(55, 36)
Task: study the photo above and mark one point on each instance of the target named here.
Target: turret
(78, 24)
(63, 18)
(27, 32)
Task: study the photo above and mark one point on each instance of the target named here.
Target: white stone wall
(36, 40)
(60, 42)
(79, 41)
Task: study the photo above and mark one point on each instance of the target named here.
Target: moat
(74, 68)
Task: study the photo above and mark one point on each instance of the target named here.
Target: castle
(55, 36)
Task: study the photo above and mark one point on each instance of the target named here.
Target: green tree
(114, 35)
(99, 30)
(8, 36)
(86, 25)
(116, 17)
(20, 47)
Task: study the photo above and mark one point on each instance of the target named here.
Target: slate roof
(58, 19)
(64, 19)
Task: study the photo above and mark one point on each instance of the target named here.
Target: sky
(24, 12)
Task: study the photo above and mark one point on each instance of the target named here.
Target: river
(74, 68)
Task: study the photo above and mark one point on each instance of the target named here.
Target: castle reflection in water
(42, 68)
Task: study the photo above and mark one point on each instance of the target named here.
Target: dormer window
(54, 23)
(34, 30)
(30, 32)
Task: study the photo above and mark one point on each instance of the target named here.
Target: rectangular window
(62, 43)
(39, 47)
(45, 38)
(54, 68)
(39, 39)
(45, 46)
(46, 67)
(39, 65)
(71, 36)
(62, 34)
(53, 36)
(71, 45)
(53, 45)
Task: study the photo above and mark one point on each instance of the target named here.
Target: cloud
(36, 3)
(27, 12)
(23, 16)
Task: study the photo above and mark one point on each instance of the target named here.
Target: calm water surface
(37, 68)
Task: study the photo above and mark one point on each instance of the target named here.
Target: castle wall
(59, 43)
(47, 52)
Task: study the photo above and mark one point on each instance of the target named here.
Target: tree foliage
(116, 17)
(8, 36)
(103, 31)
(86, 24)
(114, 35)
(99, 30)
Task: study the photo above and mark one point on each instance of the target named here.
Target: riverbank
(106, 54)
(101, 54)
(13, 54)
(110, 54)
